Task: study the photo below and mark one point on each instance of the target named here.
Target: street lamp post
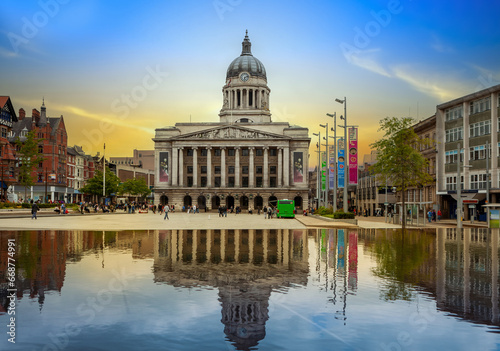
(327, 185)
(346, 169)
(334, 129)
(318, 178)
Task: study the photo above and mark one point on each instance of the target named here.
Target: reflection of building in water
(40, 264)
(245, 265)
(462, 271)
(334, 264)
(468, 273)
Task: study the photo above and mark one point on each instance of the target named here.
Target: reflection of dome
(246, 63)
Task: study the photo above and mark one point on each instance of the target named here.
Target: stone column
(181, 167)
(266, 167)
(209, 166)
(175, 163)
(237, 167)
(223, 167)
(251, 182)
(195, 167)
(280, 166)
(286, 166)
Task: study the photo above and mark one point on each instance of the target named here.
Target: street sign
(469, 201)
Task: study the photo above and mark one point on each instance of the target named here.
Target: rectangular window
(190, 169)
(190, 181)
(258, 169)
(230, 152)
(203, 169)
(230, 170)
(217, 152)
(272, 182)
(244, 170)
(217, 169)
(217, 182)
(204, 152)
(259, 152)
(258, 182)
(244, 182)
(230, 182)
(272, 169)
(273, 152)
(189, 152)
(244, 152)
(203, 182)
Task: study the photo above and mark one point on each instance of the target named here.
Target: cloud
(443, 88)
(366, 59)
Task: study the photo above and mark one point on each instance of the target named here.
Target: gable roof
(6, 104)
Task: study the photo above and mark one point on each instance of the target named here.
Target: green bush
(343, 215)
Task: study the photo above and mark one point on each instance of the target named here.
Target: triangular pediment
(230, 132)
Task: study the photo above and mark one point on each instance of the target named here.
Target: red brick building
(7, 152)
(50, 175)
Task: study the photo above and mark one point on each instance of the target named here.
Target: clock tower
(245, 94)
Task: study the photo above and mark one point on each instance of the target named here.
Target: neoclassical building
(243, 160)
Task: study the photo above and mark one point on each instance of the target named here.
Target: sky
(117, 70)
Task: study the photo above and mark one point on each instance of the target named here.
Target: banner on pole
(323, 170)
(331, 168)
(353, 155)
(340, 163)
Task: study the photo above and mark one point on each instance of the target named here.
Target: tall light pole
(346, 169)
(334, 129)
(318, 190)
(327, 185)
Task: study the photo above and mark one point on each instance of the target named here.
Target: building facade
(244, 159)
(51, 175)
(467, 152)
(141, 158)
(8, 175)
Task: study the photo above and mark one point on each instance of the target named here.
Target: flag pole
(104, 175)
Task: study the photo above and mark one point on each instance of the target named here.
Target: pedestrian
(265, 212)
(34, 209)
(166, 209)
(439, 215)
(269, 212)
(429, 216)
(433, 215)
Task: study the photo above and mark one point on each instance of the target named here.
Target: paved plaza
(47, 220)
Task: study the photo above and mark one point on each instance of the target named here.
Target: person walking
(34, 209)
(166, 209)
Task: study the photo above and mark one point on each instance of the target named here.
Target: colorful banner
(163, 166)
(340, 250)
(340, 163)
(298, 167)
(323, 170)
(353, 155)
(353, 261)
(494, 218)
(331, 168)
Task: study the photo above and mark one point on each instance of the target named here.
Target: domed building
(243, 160)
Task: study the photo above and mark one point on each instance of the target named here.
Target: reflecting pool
(316, 289)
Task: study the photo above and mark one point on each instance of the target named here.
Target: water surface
(321, 289)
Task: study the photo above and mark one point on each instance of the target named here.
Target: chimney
(22, 114)
(35, 116)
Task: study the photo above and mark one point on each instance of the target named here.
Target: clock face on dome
(244, 77)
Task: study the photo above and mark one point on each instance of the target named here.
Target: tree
(94, 185)
(398, 158)
(29, 158)
(135, 187)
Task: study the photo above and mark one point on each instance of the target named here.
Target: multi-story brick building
(50, 175)
(80, 167)
(7, 152)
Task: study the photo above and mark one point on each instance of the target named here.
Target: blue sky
(117, 70)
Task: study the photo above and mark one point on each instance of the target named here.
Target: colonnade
(283, 166)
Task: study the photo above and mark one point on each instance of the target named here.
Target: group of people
(269, 212)
(432, 214)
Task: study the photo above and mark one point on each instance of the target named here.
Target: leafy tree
(94, 185)
(398, 158)
(135, 187)
(29, 158)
